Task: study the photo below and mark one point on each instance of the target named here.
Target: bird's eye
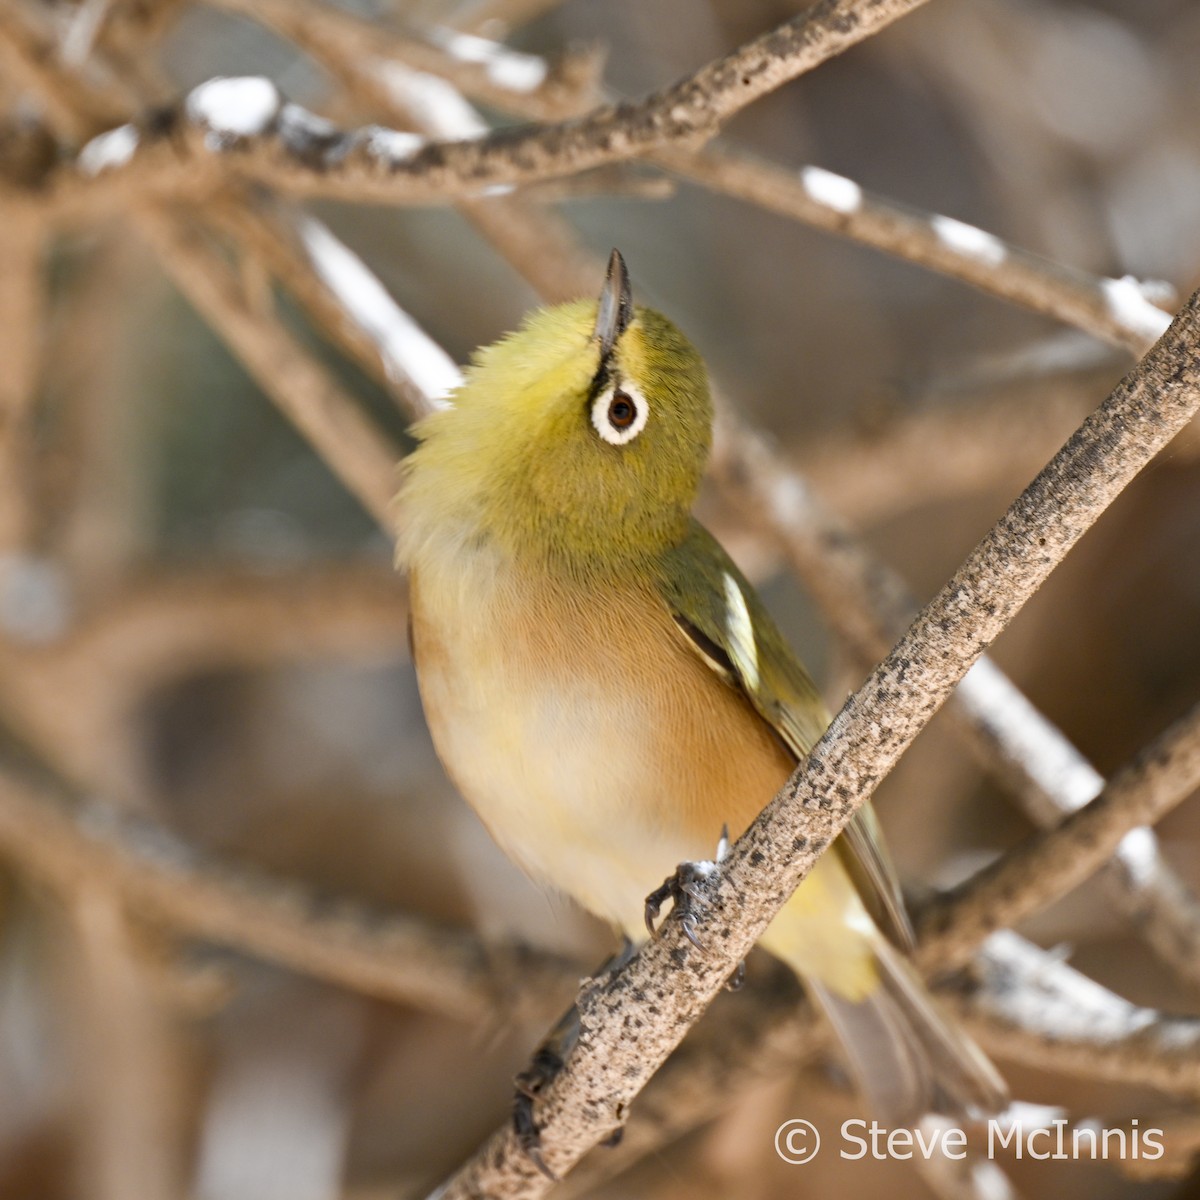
(619, 414)
(621, 411)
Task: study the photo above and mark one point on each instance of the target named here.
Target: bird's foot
(543, 1068)
(548, 1060)
(683, 891)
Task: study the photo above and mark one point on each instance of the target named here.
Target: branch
(614, 1057)
(1048, 865)
(168, 624)
(1114, 310)
(21, 299)
(350, 443)
(51, 829)
(489, 71)
(244, 126)
(1033, 1009)
(868, 605)
(962, 447)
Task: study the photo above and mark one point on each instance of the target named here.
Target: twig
(1033, 1009)
(613, 1058)
(490, 72)
(1048, 865)
(1115, 310)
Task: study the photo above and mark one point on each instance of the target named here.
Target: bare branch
(53, 831)
(1048, 865)
(353, 446)
(258, 136)
(1115, 310)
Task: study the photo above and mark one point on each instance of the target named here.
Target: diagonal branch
(1047, 866)
(350, 443)
(247, 123)
(868, 605)
(1114, 310)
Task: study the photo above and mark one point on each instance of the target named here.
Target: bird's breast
(594, 744)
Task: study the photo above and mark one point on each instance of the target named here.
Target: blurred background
(201, 627)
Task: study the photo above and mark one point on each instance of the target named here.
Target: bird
(607, 690)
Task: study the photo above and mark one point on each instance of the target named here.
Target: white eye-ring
(619, 414)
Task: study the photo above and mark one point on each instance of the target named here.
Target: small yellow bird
(606, 688)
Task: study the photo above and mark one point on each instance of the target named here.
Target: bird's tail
(907, 1057)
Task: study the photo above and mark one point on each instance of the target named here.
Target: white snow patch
(833, 191)
(237, 107)
(107, 150)
(970, 241)
(505, 68)
(1128, 304)
(437, 106)
(395, 145)
(408, 352)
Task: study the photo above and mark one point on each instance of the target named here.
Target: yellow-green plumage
(604, 686)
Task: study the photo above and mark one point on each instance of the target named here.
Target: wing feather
(726, 624)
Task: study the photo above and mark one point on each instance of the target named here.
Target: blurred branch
(245, 123)
(345, 300)
(1026, 1000)
(1048, 865)
(127, 1051)
(167, 624)
(489, 71)
(615, 1055)
(352, 445)
(943, 452)
(156, 628)
(479, 14)
(1114, 310)
(22, 294)
(55, 832)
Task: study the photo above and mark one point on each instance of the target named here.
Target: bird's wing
(725, 622)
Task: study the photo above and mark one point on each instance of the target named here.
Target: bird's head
(580, 439)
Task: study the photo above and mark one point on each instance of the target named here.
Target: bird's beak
(616, 305)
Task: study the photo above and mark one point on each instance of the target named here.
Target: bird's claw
(681, 888)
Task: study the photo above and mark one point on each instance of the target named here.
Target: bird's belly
(598, 757)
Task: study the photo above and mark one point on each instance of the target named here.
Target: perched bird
(607, 690)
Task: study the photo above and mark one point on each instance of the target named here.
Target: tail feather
(907, 1058)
